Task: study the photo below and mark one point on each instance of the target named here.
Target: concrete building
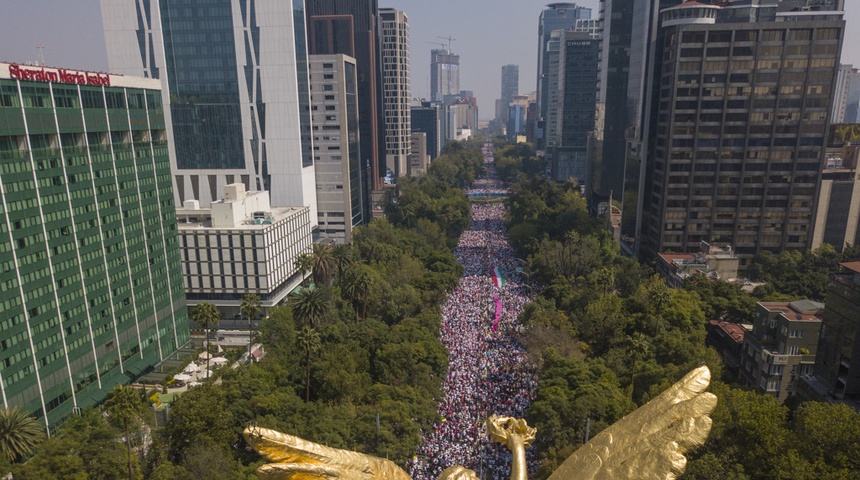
(396, 89)
(351, 28)
(91, 293)
(727, 339)
(847, 76)
(740, 130)
(234, 76)
(837, 220)
(444, 74)
(241, 245)
(715, 262)
(419, 159)
(836, 376)
(781, 346)
(334, 111)
(426, 117)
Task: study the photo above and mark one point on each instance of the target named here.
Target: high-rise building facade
(846, 77)
(510, 82)
(444, 74)
(350, 27)
(91, 296)
(741, 122)
(837, 221)
(340, 188)
(234, 75)
(426, 117)
(609, 153)
(396, 89)
(577, 97)
(556, 16)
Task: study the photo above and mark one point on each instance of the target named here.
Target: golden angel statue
(649, 443)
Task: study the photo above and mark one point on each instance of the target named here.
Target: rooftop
(735, 331)
(853, 266)
(798, 310)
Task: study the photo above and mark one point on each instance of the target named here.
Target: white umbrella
(205, 374)
(204, 355)
(181, 377)
(218, 360)
(192, 367)
(194, 384)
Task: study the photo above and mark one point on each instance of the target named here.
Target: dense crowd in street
(488, 373)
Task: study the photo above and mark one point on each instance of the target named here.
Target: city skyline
(512, 33)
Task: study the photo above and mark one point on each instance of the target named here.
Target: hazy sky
(487, 33)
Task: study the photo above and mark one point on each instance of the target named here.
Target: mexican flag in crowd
(498, 277)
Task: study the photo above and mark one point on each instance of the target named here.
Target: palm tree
(344, 257)
(304, 263)
(19, 433)
(250, 308)
(639, 349)
(324, 263)
(355, 286)
(310, 306)
(309, 340)
(124, 406)
(205, 315)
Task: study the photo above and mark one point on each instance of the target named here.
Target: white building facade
(234, 75)
(240, 245)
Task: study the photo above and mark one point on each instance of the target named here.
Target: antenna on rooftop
(41, 49)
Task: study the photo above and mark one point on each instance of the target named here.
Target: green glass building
(91, 292)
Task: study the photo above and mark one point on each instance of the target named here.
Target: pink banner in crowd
(498, 311)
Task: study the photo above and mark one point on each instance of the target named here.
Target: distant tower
(444, 74)
(510, 82)
(396, 90)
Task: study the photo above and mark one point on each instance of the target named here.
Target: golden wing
(299, 459)
(650, 442)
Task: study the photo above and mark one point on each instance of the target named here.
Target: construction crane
(438, 43)
(450, 40)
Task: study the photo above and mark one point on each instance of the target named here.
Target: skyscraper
(613, 77)
(350, 27)
(394, 42)
(340, 189)
(556, 16)
(444, 74)
(847, 76)
(91, 295)
(577, 74)
(741, 117)
(510, 82)
(427, 117)
(234, 75)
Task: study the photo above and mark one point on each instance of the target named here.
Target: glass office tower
(234, 74)
(91, 296)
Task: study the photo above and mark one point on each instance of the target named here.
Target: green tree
(206, 315)
(201, 416)
(325, 263)
(356, 285)
(309, 341)
(304, 263)
(639, 348)
(250, 308)
(20, 433)
(310, 306)
(124, 406)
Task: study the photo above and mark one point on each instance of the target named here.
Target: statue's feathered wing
(649, 443)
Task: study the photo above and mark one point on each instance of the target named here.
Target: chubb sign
(41, 74)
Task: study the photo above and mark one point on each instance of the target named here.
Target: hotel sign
(59, 75)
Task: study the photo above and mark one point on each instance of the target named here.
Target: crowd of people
(488, 372)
